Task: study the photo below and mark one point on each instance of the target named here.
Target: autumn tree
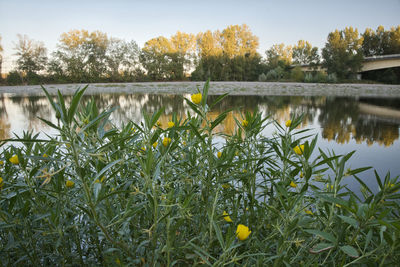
(155, 58)
(183, 46)
(31, 55)
(278, 55)
(227, 55)
(1, 58)
(81, 55)
(238, 41)
(381, 41)
(342, 53)
(304, 53)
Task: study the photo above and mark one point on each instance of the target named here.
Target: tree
(305, 54)
(381, 42)
(342, 53)
(31, 56)
(82, 55)
(184, 46)
(209, 44)
(156, 59)
(1, 59)
(279, 55)
(238, 41)
(228, 55)
(122, 59)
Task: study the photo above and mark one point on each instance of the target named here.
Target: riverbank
(216, 88)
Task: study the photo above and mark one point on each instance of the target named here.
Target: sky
(273, 21)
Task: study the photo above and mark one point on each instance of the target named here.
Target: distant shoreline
(216, 88)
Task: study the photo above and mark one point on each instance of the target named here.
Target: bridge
(369, 63)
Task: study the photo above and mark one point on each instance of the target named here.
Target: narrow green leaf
(321, 247)
(324, 235)
(76, 99)
(349, 250)
(349, 220)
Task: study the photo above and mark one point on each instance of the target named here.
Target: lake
(343, 124)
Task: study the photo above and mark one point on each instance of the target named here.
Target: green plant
(99, 195)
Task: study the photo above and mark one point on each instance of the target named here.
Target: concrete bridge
(369, 63)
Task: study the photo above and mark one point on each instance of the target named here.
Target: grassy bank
(149, 194)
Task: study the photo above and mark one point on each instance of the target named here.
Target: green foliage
(31, 58)
(14, 78)
(342, 53)
(297, 74)
(305, 53)
(308, 77)
(262, 77)
(143, 195)
(381, 41)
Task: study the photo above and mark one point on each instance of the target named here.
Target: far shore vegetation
(228, 55)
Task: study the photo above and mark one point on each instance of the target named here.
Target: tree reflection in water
(339, 118)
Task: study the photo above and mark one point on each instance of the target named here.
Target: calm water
(369, 126)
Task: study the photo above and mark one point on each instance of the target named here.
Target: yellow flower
(244, 171)
(288, 123)
(69, 183)
(299, 149)
(97, 181)
(45, 155)
(166, 141)
(158, 123)
(1, 182)
(245, 123)
(155, 144)
(143, 148)
(337, 205)
(292, 184)
(226, 186)
(14, 159)
(309, 212)
(184, 143)
(219, 154)
(1, 162)
(226, 217)
(102, 179)
(171, 124)
(196, 98)
(242, 232)
(301, 174)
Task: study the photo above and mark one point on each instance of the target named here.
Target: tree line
(228, 55)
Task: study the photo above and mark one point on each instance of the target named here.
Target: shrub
(332, 78)
(14, 78)
(320, 77)
(308, 78)
(272, 75)
(297, 74)
(262, 77)
(98, 195)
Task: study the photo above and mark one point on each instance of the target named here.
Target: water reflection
(340, 119)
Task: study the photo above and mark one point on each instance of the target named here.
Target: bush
(145, 195)
(332, 78)
(320, 77)
(308, 78)
(297, 74)
(14, 78)
(262, 77)
(272, 75)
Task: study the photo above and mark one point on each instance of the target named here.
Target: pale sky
(274, 21)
